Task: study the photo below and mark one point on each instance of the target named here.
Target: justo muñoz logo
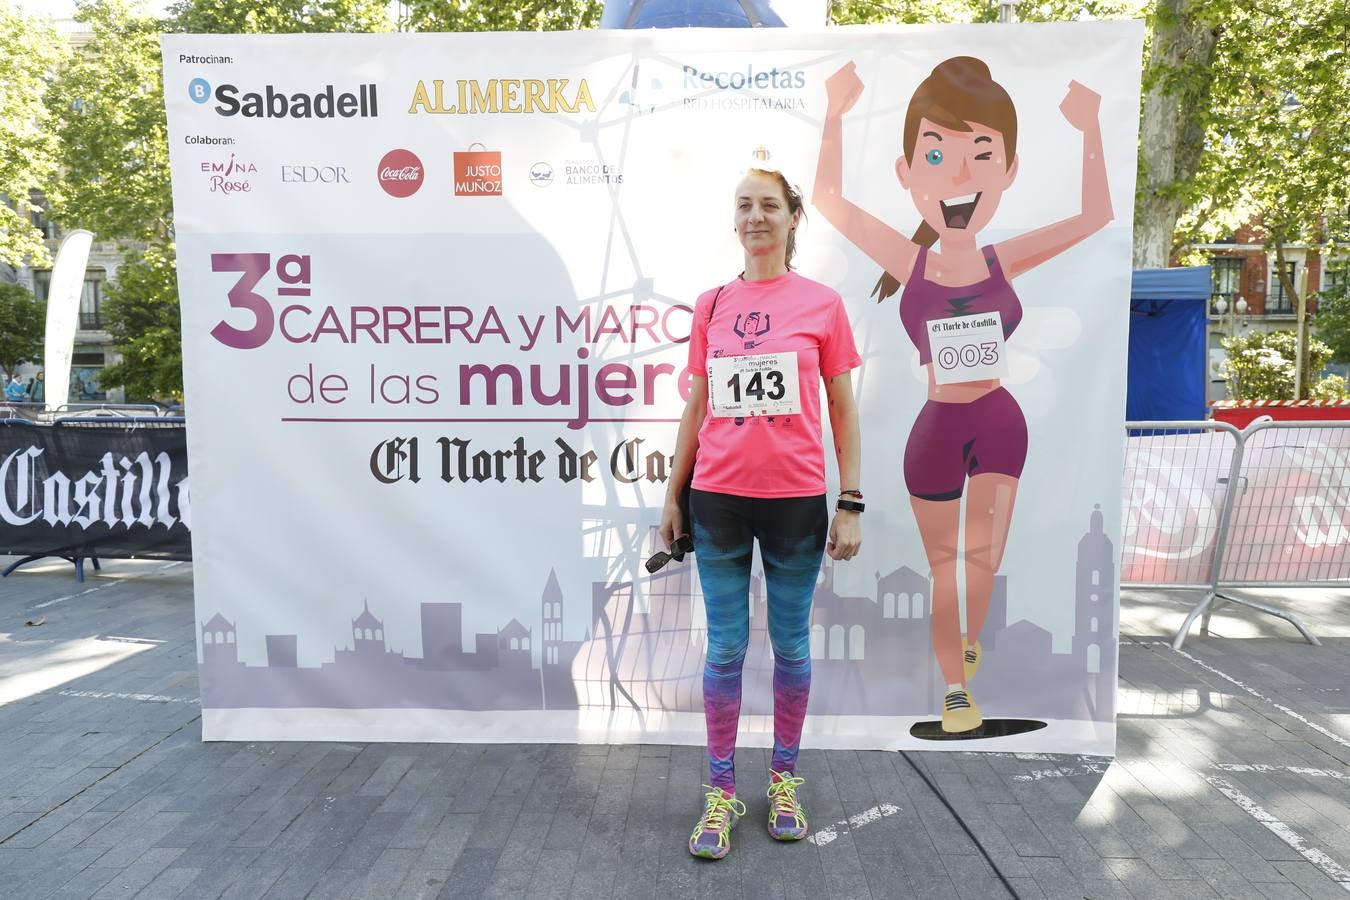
(401, 173)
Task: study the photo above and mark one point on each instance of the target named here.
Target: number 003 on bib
(968, 348)
(761, 385)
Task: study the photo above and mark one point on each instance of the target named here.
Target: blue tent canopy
(691, 14)
(1168, 368)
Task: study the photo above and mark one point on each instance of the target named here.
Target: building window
(902, 606)
(1336, 275)
(1094, 658)
(888, 606)
(1093, 626)
(515, 643)
(836, 642)
(206, 637)
(229, 637)
(379, 634)
(817, 641)
(91, 295)
(1278, 303)
(918, 610)
(1096, 576)
(524, 643)
(856, 637)
(91, 300)
(1226, 274)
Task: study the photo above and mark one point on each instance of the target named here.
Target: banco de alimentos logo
(328, 102)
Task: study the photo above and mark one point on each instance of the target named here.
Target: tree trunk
(1172, 132)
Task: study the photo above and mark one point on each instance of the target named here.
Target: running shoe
(787, 821)
(712, 835)
(974, 653)
(959, 712)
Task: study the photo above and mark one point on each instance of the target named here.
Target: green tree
(278, 16)
(23, 323)
(501, 15)
(108, 106)
(1333, 319)
(30, 51)
(142, 315)
(1260, 365)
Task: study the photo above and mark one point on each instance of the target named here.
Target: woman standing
(960, 155)
(759, 347)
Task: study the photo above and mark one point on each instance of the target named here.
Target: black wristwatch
(849, 505)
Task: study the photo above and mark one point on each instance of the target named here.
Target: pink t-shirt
(770, 456)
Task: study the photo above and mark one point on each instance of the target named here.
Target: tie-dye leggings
(791, 533)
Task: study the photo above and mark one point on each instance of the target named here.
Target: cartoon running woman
(970, 438)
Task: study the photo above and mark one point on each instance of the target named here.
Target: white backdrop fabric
(436, 293)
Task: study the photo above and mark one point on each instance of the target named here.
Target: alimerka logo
(271, 103)
(501, 95)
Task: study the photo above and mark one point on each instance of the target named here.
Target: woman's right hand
(842, 89)
(672, 521)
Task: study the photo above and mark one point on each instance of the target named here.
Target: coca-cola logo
(400, 173)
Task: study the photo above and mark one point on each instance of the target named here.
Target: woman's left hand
(845, 536)
(1081, 106)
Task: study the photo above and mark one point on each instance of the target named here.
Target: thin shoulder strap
(920, 263)
(713, 306)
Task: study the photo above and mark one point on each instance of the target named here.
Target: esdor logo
(400, 173)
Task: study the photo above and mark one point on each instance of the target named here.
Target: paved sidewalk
(1233, 781)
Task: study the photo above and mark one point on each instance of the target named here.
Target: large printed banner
(437, 292)
(96, 488)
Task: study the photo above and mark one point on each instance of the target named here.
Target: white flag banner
(63, 314)
(437, 293)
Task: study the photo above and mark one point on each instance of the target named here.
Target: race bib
(761, 385)
(967, 348)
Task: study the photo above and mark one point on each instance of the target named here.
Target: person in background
(15, 391)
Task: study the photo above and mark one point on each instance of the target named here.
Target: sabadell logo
(271, 103)
(400, 173)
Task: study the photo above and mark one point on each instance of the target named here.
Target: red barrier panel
(1242, 413)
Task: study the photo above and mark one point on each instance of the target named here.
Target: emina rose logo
(229, 177)
(400, 173)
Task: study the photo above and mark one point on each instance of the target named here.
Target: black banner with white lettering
(99, 488)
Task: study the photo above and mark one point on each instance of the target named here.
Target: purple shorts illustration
(953, 441)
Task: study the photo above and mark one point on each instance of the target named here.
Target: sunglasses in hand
(678, 548)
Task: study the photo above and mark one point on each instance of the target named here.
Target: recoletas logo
(743, 89)
(270, 103)
(400, 173)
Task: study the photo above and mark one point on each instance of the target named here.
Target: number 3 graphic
(253, 267)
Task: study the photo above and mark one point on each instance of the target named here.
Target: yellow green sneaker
(712, 835)
(787, 821)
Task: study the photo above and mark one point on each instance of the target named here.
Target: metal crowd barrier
(38, 412)
(1213, 508)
